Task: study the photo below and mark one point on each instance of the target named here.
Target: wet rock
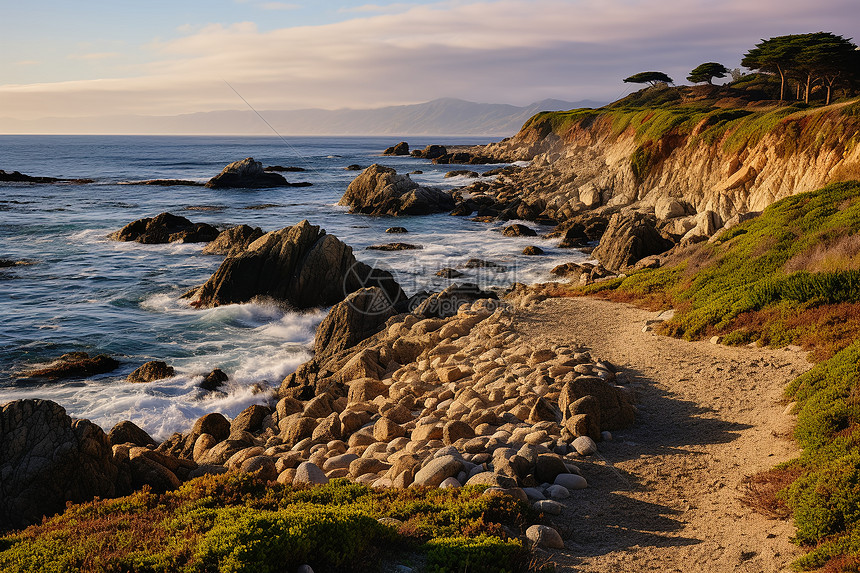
(462, 173)
(282, 169)
(48, 459)
(394, 247)
(380, 190)
(531, 250)
(449, 273)
(354, 167)
(518, 230)
(151, 371)
(401, 148)
(74, 365)
(214, 380)
(165, 228)
(430, 152)
(396, 230)
(232, 240)
(246, 174)
(127, 432)
(18, 177)
(300, 265)
(482, 264)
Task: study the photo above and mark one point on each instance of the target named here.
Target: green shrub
(482, 554)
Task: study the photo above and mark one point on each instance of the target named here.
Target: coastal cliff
(709, 153)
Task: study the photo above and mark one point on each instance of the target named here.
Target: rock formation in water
(380, 190)
(246, 174)
(299, 265)
(165, 228)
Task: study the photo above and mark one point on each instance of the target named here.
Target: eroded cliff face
(589, 163)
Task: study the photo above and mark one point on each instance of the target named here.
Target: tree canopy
(707, 72)
(807, 58)
(652, 78)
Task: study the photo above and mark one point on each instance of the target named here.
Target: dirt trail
(665, 494)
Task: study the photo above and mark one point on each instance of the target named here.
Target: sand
(665, 494)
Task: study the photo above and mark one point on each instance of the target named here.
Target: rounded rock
(544, 536)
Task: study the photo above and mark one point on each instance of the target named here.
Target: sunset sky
(158, 57)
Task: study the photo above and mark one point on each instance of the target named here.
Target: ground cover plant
(789, 276)
(237, 523)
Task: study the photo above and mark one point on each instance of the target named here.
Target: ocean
(83, 292)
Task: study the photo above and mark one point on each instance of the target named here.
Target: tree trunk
(781, 84)
(808, 82)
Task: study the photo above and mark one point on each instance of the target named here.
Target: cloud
(513, 51)
(279, 6)
(374, 8)
(95, 56)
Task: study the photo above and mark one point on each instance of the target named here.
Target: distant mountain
(446, 116)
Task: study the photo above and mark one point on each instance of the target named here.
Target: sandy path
(665, 495)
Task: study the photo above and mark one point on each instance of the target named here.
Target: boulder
(518, 230)
(127, 432)
(75, 364)
(628, 238)
(151, 371)
(308, 473)
(360, 315)
(544, 536)
(446, 303)
(532, 250)
(668, 208)
(300, 265)
(380, 190)
(401, 148)
(246, 174)
(214, 380)
(165, 228)
(584, 446)
(232, 240)
(582, 229)
(260, 466)
(462, 173)
(214, 424)
(396, 230)
(437, 469)
(449, 273)
(48, 459)
(250, 419)
(431, 152)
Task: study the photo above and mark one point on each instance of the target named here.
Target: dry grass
(761, 491)
(840, 253)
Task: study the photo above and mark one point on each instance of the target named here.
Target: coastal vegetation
(788, 276)
(235, 522)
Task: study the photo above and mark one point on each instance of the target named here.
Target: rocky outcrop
(151, 371)
(629, 237)
(352, 320)
(394, 247)
(165, 228)
(127, 432)
(380, 190)
(446, 303)
(299, 265)
(233, 240)
(246, 174)
(48, 459)
(18, 177)
(75, 364)
(401, 148)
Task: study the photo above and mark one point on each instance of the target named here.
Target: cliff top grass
(233, 523)
(788, 276)
(732, 116)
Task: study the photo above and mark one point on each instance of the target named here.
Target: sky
(97, 58)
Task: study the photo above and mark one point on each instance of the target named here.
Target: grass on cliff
(789, 276)
(663, 119)
(235, 523)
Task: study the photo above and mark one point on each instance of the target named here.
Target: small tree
(707, 72)
(651, 78)
(774, 55)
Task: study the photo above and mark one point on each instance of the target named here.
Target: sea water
(83, 292)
